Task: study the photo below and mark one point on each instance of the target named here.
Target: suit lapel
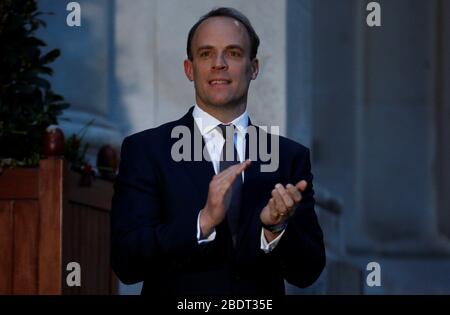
(202, 171)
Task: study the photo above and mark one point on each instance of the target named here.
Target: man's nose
(220, 63)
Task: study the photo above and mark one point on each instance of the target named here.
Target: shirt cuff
(268, 247)
(200, 240)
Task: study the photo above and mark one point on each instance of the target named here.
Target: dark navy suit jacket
(155, 208)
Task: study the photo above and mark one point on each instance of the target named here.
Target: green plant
(27, 103)
(75, 150)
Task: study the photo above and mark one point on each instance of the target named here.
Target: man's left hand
(283, 203)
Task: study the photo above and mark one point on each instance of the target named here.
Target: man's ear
(255, 68)
(188, 70)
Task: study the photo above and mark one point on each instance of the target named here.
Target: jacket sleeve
(142, 237)
(301, 251)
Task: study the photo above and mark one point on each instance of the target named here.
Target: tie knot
(226, 130)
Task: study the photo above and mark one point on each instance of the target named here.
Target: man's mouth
(219, 82)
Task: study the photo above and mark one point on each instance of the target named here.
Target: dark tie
(230, 157)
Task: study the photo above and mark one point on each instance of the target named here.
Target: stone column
(299, 70)
(395, 129)
(442, 117)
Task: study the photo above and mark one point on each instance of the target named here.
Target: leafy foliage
(27, 103)
(75, 150)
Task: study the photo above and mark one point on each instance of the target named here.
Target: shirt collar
(206, 122)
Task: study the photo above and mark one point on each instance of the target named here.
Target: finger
(288, 202)
(235, 169)
(279, 204)
(230, 175)
(243, 166)
(294, 193)
(273, 208)
(301, 185)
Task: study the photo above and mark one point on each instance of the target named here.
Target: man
(217, 225)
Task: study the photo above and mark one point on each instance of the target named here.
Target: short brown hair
(227, 12)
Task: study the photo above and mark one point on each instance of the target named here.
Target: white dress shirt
(214, 142)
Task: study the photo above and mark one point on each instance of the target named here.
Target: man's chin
(223, 103)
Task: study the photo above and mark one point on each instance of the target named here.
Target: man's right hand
(219, 197)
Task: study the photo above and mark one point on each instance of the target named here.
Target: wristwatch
(275, 228)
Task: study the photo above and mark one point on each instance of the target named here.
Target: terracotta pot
(54, 142)
(107, 162)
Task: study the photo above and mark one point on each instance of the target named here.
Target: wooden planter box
(48, 220)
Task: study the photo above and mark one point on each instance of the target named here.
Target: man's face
(221, 67)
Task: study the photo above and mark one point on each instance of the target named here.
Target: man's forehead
(221, 21)
(222, 31)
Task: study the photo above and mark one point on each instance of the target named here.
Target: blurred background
(372, 103)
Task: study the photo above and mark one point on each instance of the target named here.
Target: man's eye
(205, 54)
(235, 53)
